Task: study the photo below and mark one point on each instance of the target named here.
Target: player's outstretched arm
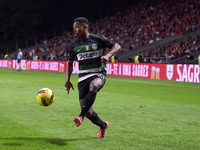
(69, 70)
(116, 48)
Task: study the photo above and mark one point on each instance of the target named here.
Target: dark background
(26, 18)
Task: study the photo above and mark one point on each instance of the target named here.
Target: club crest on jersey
(94, 46)
(87, 47)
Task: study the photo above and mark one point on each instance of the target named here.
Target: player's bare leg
(95, 85)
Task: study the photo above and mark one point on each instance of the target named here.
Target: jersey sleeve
(71, 55)
(106, 42)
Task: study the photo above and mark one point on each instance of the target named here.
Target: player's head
(80, 27)
(19, 49)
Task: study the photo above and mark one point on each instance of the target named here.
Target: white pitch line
(134, 81)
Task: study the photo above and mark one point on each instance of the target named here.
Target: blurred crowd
(171, 50)
(148, 22)
(140, 24)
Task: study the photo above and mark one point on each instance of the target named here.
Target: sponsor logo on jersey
(89, 55)
(84, 56)
(79, 50)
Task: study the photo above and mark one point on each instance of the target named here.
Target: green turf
(143, 114)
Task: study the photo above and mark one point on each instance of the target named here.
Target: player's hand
(104, 59)
(68, 85)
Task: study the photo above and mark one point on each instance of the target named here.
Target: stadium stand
(158, 45)
(147, 28)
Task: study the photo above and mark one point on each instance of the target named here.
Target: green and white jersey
(88, 53)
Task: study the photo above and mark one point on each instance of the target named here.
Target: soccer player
(19, 58)
(89, 50)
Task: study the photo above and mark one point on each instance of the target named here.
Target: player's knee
(94, 86)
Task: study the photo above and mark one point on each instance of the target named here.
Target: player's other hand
(68, 85)
(104, 59)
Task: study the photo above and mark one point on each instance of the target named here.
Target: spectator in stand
(2, 56)
(13, 56)
(61, 52)
(199, 59)
(131, 58)
(35, 57)
(140, 58)
(43, 57)
(136, 59)
(26, 55)
(53, 55)
(6, 56)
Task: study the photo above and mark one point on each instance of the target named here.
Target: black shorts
(84, 86)
(18, 60)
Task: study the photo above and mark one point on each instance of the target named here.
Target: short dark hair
(82, 20)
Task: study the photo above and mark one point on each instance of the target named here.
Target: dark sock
(88, 101)
(94, 118)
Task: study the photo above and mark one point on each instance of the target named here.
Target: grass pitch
(143, 114)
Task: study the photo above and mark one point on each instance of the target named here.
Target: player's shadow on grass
(55, 141)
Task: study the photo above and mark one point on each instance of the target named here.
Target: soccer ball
(45, 97)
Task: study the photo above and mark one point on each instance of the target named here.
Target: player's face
(79, 30)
